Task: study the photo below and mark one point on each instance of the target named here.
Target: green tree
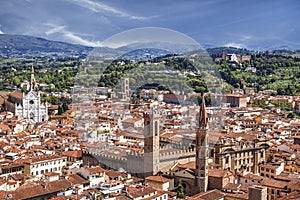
(180, 190)
(65, 106)
(291, 115)
(60, 110)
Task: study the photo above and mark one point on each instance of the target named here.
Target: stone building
(153, 158)
(241, 152)
(234, 57)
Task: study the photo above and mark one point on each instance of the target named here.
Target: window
(156, 128)
(227, 160)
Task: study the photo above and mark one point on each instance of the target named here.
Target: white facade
(40, 167)
(32, 108)
(94, 178)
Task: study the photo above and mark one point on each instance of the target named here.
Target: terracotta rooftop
(209, 195)
(160, 179)
(295, 195)
(218, 173)
(76, 179)
(274, 183)
(17, 94)
(141, 192)
(73, 154)
(113, 173)
(38, 189)
(42, 158)
(94, 170)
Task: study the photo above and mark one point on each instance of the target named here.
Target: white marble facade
(32, 108)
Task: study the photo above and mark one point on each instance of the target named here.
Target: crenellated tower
(201, 172)
(151, 142)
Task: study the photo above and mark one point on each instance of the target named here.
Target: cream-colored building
(40, 165)
(241, 152)
(159, 182)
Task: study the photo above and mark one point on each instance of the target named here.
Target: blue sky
(253, 24)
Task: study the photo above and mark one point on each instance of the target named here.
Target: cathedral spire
(32, 79)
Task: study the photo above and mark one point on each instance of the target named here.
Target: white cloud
(101, 7)
(79, 40)
(246, 37)
(233, 44)
(1, 32)
(70, 36)
(55, 29)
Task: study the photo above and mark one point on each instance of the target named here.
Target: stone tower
(201, 173)
(151, 142)
(124, 88)
(223, 54)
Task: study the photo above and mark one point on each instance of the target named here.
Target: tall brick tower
(151, 142)
(201, 173)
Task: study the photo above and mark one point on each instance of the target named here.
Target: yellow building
(160, 182)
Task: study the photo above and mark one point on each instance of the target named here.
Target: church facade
(28, 105)
(31, 107)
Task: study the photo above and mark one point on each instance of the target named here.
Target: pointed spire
(203, 119)
(32, 79)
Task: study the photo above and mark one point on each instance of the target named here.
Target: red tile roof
(160, 179)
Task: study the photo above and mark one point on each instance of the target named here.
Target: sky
(252, 24)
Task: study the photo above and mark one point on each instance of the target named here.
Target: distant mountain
(28, 46)
(145, 54)
(217, 51)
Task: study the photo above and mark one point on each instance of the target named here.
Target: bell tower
(201, 173)
(32, 79)
(151, 142)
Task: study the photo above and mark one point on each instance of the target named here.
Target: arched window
(156, 129)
